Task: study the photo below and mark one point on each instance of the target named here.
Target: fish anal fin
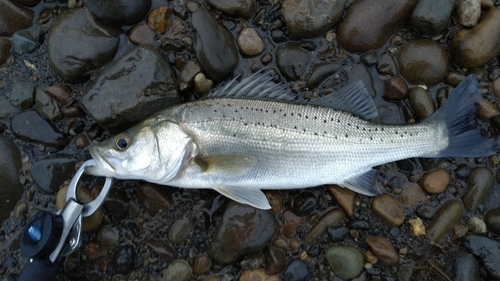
(231, 165)
(253, 197)
(363, 183)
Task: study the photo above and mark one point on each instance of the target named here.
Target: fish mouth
(103, 167)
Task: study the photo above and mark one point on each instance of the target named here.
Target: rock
(368, 24)
(297, 270)
(275, 200)
(479, 188)
(417, 228)
(214, 46)
(423, 62)
(345, 198)
(426, 211)
(30, 126)
(468, 12)
(492, 220)
(338, 234)
(91, 45)
(7, 110)
(330, 219)
(321, 72)
(29, 3)
(412, 195)
(421, 102)
(346, 261)
(158, 19)
(435, 181)
(240, 9)
(475, 225)
(432, 17)
(4, 50)
(116, 203)
(291, 223)
(486, 110)
(202, 85)
(178, 270)
(10, 165)
(22, 95)
(461, 266)
(83, 195)
(389, 209)
(187, 74)
(307, 19)
(292, 60)
(249, 42)
(123, 259)
(241, 230)
(488, 250)
(202, 264)
(50, 172)
(180, 231)
(142, 34)
(47, 106)
(274, 260)
(121, 12)
(13, 17)
(304, 203)
(26, 42)
(477, 46)
(131, 88)
(382, 249)
(395, 89)
(155, 198)
(387, 65)
(446, 217)
(257, 274)
(161, 248)
(108, 236)
(369, 59)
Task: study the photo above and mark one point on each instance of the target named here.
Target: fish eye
(122, 141)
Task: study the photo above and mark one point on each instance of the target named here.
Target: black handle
(39, 269)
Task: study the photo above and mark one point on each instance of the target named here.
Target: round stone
(435, 181)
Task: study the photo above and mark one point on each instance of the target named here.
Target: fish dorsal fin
(259, 85)
(353, 98)
(252, 197)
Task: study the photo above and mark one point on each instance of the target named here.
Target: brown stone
(395, 89)
(345, 198)
(382, 249)
(389, 209)
(158, 19)
(155, 198)
(435, 181)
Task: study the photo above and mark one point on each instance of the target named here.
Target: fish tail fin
(465, 138)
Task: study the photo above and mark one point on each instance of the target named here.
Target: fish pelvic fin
(253, 197)
(363, 184)
(465, 138)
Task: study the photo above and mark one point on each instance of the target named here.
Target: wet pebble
(479, 188)
(92, 46)
(468, 12)
(202, 85)
(369, 59)
(244, 9)
(116, 203)
(387, 65)
(368, 25)
(81, 141)
(346, 261)
(389, 209)
(338, 234)
(249, 42)
(214, 46)
(486, 110)
(431, 16)
(423, 62)
(475, 225)
(155, 198)
(395, 89)
(121, 12)
(22, 94)
(421, 102)
(13, 17)
(292, 60)
(345, 198)
(10, 165)
(412, 195)
(147, 83)
(178, 270)
(486, 249)
(241, 230)
(202, 264)
(446, 217)
(26, 42)
(297, 270)
(7, 110)
(435, 181)
(4, 50)
(274, 260)
(107, 236)
(291, 222)
(123, 259)
(492, 220)
(330, 219)
(62, 93)
(30, 126)
(180, 230)
(417, 228)
(47, 106)
(461, 266)
(462, 171)
(476, 46)
(161, 248)
(142, 34)
(187, 75)
(158, 19)
(321, 72)
(304, 203)
(275, 200)
(382, 249)
(51, 171)
(307, 19)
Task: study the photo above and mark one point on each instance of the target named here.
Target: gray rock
(346, 261)
(242, 230)
(26, 42)
(320, 72)
(121, 12)
(292, 60)
(297, 270)
(47, 106)
(10, 164)
(311, 18)
(468, 12)
(214, 46)
(431, 16)
(479, 188)
(7, 110)
(13, 17)
(131, 88)
(50, 172)
(461, 266)
(179, 270)
(4, 50)
(30, 126)
(488, 250)
(236, 8)
(78, 44)
(22, 95)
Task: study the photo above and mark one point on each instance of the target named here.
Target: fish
(251, 134)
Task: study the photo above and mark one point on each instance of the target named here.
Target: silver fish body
(240, 144)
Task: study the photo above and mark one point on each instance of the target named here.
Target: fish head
(146, 151)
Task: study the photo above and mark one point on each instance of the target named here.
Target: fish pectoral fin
(363, 184)
(231, 165)
(253, 197)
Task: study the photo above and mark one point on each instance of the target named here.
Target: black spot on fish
(346, 135)
(348, 124)
(274, 111)
(234, 135)
(357, 127)
(307, 117)
(236, 110)
(315, 117)
(382, 129)
(304, 130)
(324, 121)
(245, 124)
(315, 133)
(371, 138)
(291, 114)
(284, 114)
(376, 129)
(267, 111)
(396, 132)
(215, 110)
(338, 120)
(411, 134)
(295, 127)
(331, 119)
(300, 115)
